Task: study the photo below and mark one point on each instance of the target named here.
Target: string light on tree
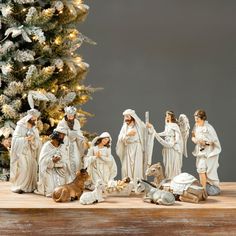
(78, 59)
(46, 32)
(58, 40)
(78, 1)
(84, 98)
(79, 87)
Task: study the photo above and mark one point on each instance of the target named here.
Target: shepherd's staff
(146, 156)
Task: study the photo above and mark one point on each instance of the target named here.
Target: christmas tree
(40, 66)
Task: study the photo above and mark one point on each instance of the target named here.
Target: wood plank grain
(30, 214)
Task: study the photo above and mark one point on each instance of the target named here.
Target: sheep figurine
(94, 196)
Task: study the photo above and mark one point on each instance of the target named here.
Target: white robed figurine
(207, 149)
(53, 164)
(74, 139)
(174, 146)
(99, 160)
(134, 146)
(24, 152)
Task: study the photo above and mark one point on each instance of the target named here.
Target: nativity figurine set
(64, 166)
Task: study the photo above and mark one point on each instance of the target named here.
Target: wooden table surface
(31, 214)
(8, 199)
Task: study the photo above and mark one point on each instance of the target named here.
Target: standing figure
(24, 152)
(74, 139)
(134, 146)
(99, 160)
(207, 149)
(173, 145)
(54, 169)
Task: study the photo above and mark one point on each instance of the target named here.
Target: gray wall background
(157, 55)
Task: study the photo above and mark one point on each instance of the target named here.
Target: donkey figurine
(155, 195)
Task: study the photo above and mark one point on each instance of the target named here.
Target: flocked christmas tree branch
(39, 63)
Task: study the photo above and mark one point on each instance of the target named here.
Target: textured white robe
(135, 152)
(172, 151)
(51, 174)
(75, 141)
(100, 168)
(210, 155)
(23, 155)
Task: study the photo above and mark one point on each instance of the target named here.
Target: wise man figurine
(54, 169)
(74, 139)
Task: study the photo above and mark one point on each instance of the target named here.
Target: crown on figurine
(34, 112)
(70, 110)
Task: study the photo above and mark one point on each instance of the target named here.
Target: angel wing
(184, 129)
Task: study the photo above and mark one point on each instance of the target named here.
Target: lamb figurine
(94, 196)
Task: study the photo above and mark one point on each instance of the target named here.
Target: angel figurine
(174, 143)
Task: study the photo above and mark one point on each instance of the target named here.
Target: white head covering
(34, 112)
(71, 110)
(101, 136)
(60, 130)
(30, 114)
(134, 115)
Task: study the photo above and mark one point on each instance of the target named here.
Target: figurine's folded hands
(131, 133)
(98, 154)
(29, 138)
(55, 159)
